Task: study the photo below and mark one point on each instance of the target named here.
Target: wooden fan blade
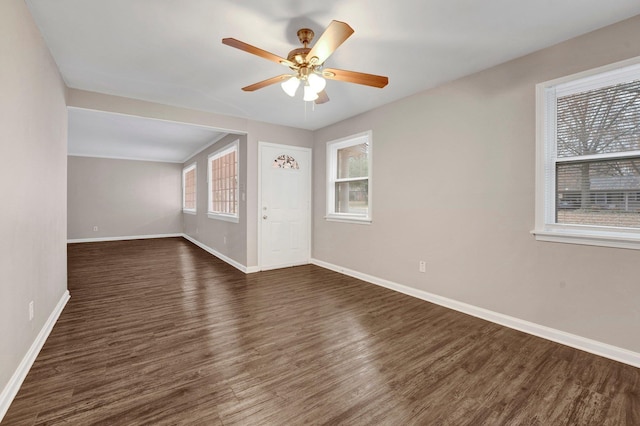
(322, 98)
(265, 83)
(355, 77)
(335, 34)
(257, 51)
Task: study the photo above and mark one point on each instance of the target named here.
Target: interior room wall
(453, 185)
(123, 198)
(33, 217)
(226, 238)
(241, 238)
(255, 132)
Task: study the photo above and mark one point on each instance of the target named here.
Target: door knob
(264, 217)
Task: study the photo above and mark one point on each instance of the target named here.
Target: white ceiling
(170, 51)
(101, 134)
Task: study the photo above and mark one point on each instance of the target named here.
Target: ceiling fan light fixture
(316, 82)
(307, 64)
(309, 93)
(290, 86)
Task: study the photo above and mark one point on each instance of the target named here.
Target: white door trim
(262, 144)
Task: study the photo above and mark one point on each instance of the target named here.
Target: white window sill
(627, 240)
(193, 212)
(348, 219)
(225, 217)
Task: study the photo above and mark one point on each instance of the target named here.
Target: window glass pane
(224, 183)
(353, 161)
(604, 193)
(599, 121)
(352, 197)
(190, 189)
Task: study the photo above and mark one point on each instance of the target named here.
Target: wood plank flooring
(160, 332)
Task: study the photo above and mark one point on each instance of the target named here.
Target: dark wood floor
(160, 332)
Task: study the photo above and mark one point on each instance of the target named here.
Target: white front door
(285, 205)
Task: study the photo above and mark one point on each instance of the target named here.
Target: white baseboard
(235, 264)
(578, 342)
(123, 238)
(11, 389)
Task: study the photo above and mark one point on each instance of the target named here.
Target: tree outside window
(588, 157)
(598, 156)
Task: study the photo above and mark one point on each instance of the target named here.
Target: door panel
(285, 192)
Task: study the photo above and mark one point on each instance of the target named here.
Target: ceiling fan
(307, 64)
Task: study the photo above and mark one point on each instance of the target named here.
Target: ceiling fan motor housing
(305, 35)
(298, 56)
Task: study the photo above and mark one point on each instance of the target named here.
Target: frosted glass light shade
(316, 82)
(310, 94)
(290, 86)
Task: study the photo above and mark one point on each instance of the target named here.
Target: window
(189, 189)
(349, 179)
(223, 184)
(588, 169)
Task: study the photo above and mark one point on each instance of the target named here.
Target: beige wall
(33, 217)
(120, 105)
(453, 184)
(123, 198)
(214, 232)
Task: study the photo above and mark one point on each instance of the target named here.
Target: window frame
(331, 177)
(227, 149)
(186, 170)
(546, 228)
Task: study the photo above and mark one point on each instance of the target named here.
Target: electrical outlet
(422, 266)
(95, 229)
(225, 239)
(30, 310)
